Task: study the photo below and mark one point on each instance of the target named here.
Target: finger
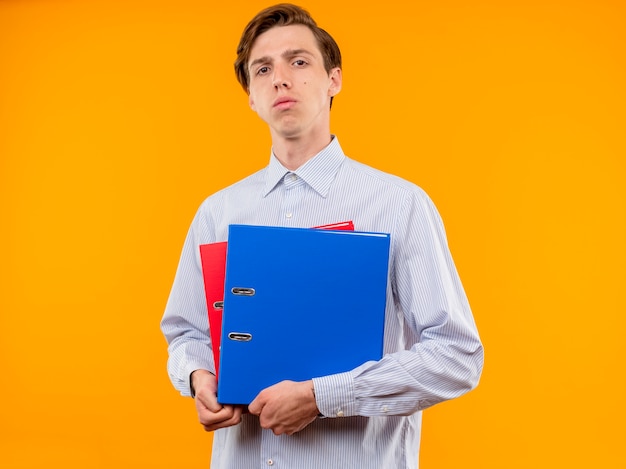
(237, 414)
(224, 414)
(255, 406)
(223, 419)
(268, 422)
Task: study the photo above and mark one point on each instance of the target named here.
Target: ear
(335, 79)
(251, 102)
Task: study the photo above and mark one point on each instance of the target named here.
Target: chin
(289, 131)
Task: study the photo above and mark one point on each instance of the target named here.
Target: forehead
(275, 41)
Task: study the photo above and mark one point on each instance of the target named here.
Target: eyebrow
(286, 54)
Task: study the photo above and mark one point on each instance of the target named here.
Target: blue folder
(298, 304)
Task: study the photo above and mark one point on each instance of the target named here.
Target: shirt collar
(319, 172)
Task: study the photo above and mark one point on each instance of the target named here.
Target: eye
(262, 70)
(299, 63)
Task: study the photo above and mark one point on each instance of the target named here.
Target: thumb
(209, 400)
(205, 386)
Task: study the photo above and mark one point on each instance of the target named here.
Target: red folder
(213, 258)
(344, 225)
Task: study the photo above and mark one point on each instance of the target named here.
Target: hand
(212, 415)
(286, 407)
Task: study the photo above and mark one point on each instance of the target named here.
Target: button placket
(292, 185)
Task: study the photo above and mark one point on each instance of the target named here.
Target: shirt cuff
(334, 395)
(187, 370)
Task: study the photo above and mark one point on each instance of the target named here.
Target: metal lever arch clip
(240, 336)
(242, 291)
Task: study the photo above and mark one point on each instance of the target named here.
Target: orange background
(118, 118)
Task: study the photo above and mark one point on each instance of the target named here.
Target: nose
(280, 78)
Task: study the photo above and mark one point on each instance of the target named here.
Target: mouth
(284, 103)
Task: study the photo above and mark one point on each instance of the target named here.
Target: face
(289, 87)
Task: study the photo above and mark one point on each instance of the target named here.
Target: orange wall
(118, 118)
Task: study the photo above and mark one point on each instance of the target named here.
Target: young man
(369, 417)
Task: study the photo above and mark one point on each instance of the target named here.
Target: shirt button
(270, 462)
(289, 215)
(385, 409)
(340, 413)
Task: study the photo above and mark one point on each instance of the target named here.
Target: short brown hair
(283, 14)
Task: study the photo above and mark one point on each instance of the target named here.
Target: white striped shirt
(432, 348)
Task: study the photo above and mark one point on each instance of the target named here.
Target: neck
(294, 152)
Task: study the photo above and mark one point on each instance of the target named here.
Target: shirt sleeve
(185, 322)
(440, 355)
